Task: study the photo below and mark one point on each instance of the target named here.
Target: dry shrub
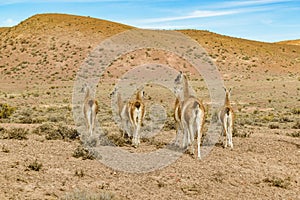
(278, 182)
(241, 133)
(273, 126)
(79, 173)
(294, 134)
(296, 111)
(118, 140)
(35, 166)
(5, 149)
(169, 125)
(26, 116)
(14, 133)
(297, 125)
(54, 131)
(152, 141)
(84, 153)
(244, 121)
(285, 119)
(87, 195)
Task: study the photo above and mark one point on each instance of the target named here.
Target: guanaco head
(227, 91)
(227, 95)
(178, 78)
(181, 85)
(140, 94)
(85, 89)
(178, 83)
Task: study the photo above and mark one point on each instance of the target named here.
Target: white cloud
(167, 27)
(8, 22)
(231, 4)
(192, 15)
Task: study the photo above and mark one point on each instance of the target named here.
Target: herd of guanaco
(189, 115)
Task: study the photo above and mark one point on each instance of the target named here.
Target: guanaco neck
(186, 90)
(139, 95)
(87, 93)
(120, 103)
(227, 101)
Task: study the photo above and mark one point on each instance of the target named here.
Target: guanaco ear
(178, 77)
(113, 92)
(83, 87)
(229, 90)
(225, 89)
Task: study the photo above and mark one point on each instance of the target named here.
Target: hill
(49, 47)
(290, 42)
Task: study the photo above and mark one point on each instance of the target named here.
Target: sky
(262, 20)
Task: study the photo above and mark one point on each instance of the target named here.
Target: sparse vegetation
(118, 140)
(278, 182)
(273, 126)
(297, 125)
(35, 166)
(6, 110)
(5, 149)
(152, 141)
(14, 133)
(54, 131)
(241, 133)
(79, 173)
(294, 134)
(81, 152)
(88, 195)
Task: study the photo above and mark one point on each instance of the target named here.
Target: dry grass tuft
(273, 126)
(278, 182)
(294, 134)
(118, 140)
(35, 166)
(54, 131)
(87, 195)
(84, 153)
(14, 133)
(297, 125)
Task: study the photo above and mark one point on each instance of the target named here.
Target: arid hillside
(290, 42)
(50, 47)
(42, 157)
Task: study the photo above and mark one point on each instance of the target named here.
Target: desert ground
(42, 155)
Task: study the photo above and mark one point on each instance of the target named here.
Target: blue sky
(263, 20)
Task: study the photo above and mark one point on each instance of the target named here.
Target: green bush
(6, 111)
